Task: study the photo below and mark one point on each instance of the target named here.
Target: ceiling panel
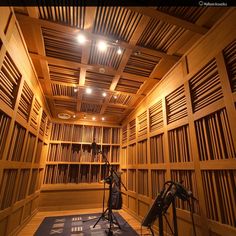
(64, 74)
(141, 64)
(160, 35)
(151, 39)
(121, 99)
(118, 23)
(126, 85)
(62, 90)
(114, 110)
(68, 105)
(90, 108)
(109, 58)
(71, 16)
(61, 45)
(98, 80)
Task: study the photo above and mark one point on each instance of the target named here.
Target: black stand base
(110, 217)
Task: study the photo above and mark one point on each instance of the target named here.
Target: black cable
(191, 213)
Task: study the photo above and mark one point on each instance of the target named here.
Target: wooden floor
(34, 223)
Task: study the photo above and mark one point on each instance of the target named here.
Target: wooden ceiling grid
(151, 40)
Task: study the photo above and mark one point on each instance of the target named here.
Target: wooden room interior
(154, 87)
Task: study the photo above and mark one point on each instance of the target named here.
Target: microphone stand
(111, 217)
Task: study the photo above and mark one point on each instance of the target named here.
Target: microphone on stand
(94, 147)
(183, 193)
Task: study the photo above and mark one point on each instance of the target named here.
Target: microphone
(94, 147)
(183, 193)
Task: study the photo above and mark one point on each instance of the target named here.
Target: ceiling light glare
(81, 39)
(119, 51)
(74, 116)
(88, 90)
(103, 118)
(115, 97)
(75, 90)
(94, 118)
(104, 94)
(102, 46)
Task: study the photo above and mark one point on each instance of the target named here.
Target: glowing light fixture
(103, 118)
(88, 90)
(115, 97)
(74, 116)
(104, 94)
(102, 46)
(94, 118)
(75, 90)
(119, 51)
(81, 39)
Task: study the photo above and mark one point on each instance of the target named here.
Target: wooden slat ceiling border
(161, 16)
(74, 17)
(191, 14)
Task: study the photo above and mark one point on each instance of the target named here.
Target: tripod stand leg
(116, 221)
(102, 216)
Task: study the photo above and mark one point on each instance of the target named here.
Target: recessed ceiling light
(94, 118)
(88, 90)
(103, 118)
(102, 46)
(81, 39)
(64, 116)
(74, 116)
(119, 51)
(102, 70)
(75, 90)
(104, 94)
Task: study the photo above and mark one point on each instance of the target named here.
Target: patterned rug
(82, 225)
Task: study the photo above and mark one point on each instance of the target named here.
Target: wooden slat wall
(191, 135)
(24, 123)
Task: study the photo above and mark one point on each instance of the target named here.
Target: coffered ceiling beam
(105, 90)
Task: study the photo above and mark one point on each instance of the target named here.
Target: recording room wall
(185, 130)
(24, 129)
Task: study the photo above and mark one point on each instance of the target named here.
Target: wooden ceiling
(151, 39)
